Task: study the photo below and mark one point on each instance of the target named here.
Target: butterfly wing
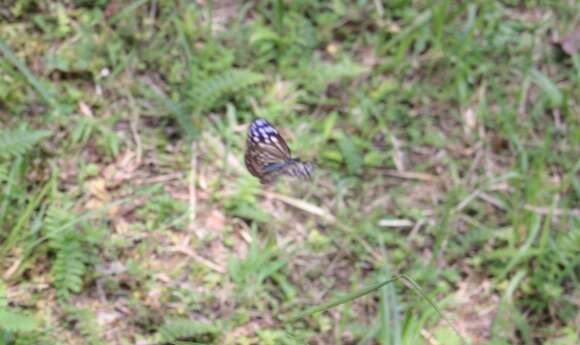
(296, 168)
(268, 156)
(262, 133)
(265, 148)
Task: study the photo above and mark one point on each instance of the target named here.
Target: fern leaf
(56, 217)
(345, 69)
(327, 74)
(69, 266)
(351, 154)
(207, 92)
(183, 329)
(18, 142)
(16, 322)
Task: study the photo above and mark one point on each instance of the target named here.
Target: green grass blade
(16, 233)
(421, 20)
(548, 86)
(342, 300)
(364, 291)
(30, 77)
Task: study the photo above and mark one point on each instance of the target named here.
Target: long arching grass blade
(364, 291)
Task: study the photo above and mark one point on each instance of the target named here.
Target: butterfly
(268, 156)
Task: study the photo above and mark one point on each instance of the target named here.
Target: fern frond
(188, 330)
(13, 321)
(330, 73)
(345, 69)
(56, 217)
(207, 92)
(85, 323)
(69, 267)
(351, 154)
(16, 142)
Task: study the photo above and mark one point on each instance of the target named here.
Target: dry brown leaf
(476, 306)
(215, 220)
(98, 189)
(469, 121)
(571, 43)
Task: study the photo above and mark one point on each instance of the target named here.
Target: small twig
(192, 189)
(301, 204)
(466, 201)
(318, 211)
(491, 200)
(548, 211)
(159, 178)
(13, 268)
(187, 251)
(133, 123)
(396, 223)
(558, 120)
(398, 156)
(184, 248)
(429, 337)
(410, 175)
(416, 228)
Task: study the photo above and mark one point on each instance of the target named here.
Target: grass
(446, 136)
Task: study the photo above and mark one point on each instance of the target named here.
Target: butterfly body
(268, 155)
(272, 167)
